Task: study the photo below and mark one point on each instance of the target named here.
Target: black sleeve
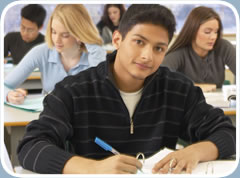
(6, 45)
(42, 149)
(203, 122)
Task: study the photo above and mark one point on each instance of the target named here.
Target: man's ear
(116, 39)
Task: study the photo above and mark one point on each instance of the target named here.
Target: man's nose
(24, 32)
(147, 53)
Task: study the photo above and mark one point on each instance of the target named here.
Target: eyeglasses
(28, 30)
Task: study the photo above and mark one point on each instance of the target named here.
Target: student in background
(199, 51)
(73, 45)
(132, 104)
(19, 43)
(112, 15)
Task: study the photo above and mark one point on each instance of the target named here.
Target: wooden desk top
(216, 99)
(230, 112)
(35, 75)
(18, 117)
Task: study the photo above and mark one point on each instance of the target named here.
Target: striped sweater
(89, 105)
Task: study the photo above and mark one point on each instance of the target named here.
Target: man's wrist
(79, 165)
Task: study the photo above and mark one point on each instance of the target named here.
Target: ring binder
(143, 157)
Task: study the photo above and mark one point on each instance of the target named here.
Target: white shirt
(131, 100)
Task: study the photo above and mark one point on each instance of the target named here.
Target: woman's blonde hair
(78, 23)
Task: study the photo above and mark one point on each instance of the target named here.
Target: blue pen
(106, 146)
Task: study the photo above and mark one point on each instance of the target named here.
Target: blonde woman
(72, 44)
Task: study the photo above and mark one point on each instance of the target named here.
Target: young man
(132, 104)
(19, 43)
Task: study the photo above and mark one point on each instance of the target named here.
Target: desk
(220, 168)
(216, 99)
(20, 170)
(15, 121)
(33, 81)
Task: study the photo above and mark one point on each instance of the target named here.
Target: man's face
(141, 52)
(29, 30)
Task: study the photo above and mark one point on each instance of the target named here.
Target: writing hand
(117, 164)
(16, 96)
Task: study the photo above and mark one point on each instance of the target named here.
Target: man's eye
(159, 49)
(140, 42)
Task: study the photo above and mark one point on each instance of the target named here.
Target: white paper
(218, 167)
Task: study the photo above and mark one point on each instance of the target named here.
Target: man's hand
(16, 96)
(186, 159)
(117, 164)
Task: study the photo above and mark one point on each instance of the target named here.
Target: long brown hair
(105, 18)
(197, 16)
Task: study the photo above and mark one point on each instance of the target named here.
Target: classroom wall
(12, 22)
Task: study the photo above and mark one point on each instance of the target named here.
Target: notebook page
(31, 104)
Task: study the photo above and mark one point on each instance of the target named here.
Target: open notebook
(30, 104)
(215, 168)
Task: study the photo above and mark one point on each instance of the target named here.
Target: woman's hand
(16, 96)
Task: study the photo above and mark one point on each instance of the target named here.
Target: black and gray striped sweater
(88, 105)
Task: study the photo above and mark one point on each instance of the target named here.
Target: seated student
(199, 51)
(73, 45)
(112, 15)
(132, 104)
(19, 43)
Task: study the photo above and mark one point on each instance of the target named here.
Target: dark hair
(197, 17)
(150, 14)
(105, 18)
(35, 13)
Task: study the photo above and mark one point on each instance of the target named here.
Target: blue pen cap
(103, 144)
